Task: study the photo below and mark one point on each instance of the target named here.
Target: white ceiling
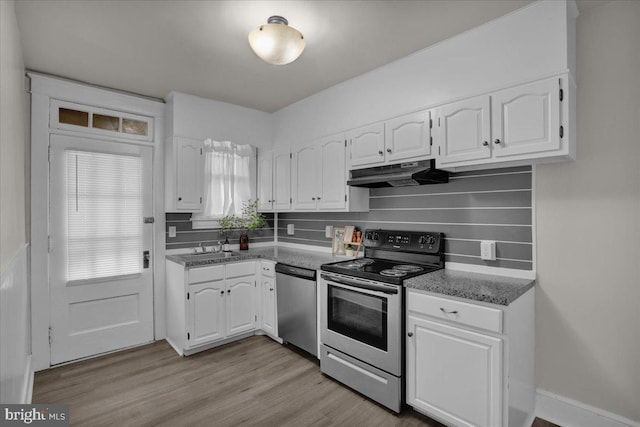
(201, 48)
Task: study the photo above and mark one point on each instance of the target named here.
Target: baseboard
(571, 413)
(27, 386)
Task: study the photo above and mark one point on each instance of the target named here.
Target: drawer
(239, 269)
(464, 313)
(206, 274)
(267, 269)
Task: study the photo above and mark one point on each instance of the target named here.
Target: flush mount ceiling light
(276, 42)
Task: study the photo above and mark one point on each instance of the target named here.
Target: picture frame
(348, 233)
(337, 245)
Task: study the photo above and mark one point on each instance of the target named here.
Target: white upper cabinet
(184, 171)
(408, 137)
(281, 180)
(366, 146)
(319, 178)
(525, 124)
(464, 130)
(404, 138)
(526, 119)
(332, 173)
(305, 178)
(265, 181)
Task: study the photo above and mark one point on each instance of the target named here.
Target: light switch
(172, 231)
(328, 231)
(488, 250)
(290, 229)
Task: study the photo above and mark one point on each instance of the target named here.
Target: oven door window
(357, 315)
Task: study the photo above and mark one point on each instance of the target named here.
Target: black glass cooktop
(381, 270)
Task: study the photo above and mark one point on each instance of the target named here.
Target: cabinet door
(408, 137)
(454, 374)
(304, 185)
(332, 173)
(265, 181)
(206, 312)
(240, 306)
(366, 146)
(281, 180)
(268, 306)
(463, 131)
(526, 119)
(189, 174)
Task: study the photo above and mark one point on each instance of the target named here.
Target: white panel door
(189, 174)
(241, 312)
(332, 173)
(206, 312)
(366, 146)
(408, 137)
(304, 174)
(268, 308)
(526, 119)
(101, 282)
(454, 374)
(463, 130)
(265, 181)
(281, 180)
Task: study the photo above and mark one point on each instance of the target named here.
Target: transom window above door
(76, 117)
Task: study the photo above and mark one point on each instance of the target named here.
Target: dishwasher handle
(289, 270)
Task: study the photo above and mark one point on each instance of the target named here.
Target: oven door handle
(387, 289)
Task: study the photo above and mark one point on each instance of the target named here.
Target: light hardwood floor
(254, 381)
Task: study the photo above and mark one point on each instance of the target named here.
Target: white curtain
(227, 177)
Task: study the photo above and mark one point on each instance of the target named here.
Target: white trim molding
(571, 413)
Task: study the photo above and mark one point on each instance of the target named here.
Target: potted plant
(249, 220)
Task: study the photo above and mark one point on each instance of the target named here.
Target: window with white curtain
(104, 215)
(229, 181)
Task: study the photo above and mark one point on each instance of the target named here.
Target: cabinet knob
(485, 143)
(388, 150)
(380, 152)
(410, 334)
(228, 291)
(497, 141)
(221, 292)
(179, 198)
(313, 198)
(271, 289)
(318, 198)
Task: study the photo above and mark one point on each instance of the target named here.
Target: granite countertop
(499, 290)
(294, 257)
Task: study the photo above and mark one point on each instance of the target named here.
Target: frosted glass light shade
(277, 43)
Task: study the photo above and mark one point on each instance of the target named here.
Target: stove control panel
(424, 242)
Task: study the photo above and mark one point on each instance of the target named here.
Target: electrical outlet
(328, 231)
(488, 250)
(290, 229)
(172, 231)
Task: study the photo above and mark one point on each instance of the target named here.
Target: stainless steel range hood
(400, 175)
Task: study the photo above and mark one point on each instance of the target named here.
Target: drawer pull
(448, 312)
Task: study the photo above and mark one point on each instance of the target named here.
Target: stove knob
(422, 240)
(431, 240)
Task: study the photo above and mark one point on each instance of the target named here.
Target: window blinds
(104, 206)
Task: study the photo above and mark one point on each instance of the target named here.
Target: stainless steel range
(362, 311)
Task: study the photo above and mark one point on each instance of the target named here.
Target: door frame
(44, 90)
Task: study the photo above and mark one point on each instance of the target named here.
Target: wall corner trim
(571, 413)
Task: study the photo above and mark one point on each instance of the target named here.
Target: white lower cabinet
(210, 305)
(268, 307)
(470, 364)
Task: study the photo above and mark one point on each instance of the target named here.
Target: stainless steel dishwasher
(297, 309)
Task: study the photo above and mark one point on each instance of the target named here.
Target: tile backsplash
(479, 205)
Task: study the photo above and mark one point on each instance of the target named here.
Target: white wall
(14, 288)
(588, 227)
(525, 45)
(200, 118)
